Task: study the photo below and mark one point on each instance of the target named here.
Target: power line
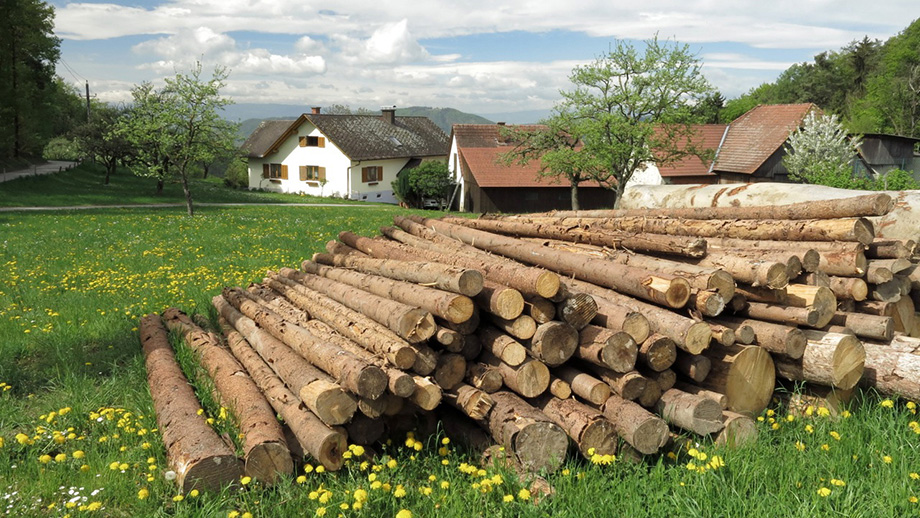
(72, 71)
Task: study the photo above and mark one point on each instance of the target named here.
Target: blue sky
(477, 56)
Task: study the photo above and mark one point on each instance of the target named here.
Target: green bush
(237, 175)
(62, 148)
(894, 180)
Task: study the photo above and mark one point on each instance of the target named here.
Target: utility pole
(87, 101)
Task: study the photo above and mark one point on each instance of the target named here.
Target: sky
(478, 56)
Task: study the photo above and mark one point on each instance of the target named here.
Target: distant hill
(444, 118)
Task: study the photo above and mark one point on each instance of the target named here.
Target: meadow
(78, 435)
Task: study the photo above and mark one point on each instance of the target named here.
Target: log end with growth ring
(795, 344)
(508, 304)
(636, 324)
(402, 385)
(372, 382)
(810, 260)
(864, 231)
(211, 473)
(751, 381)
(547, 284)
(532, 378)
(268, 461)
(417, 325)
(849, 362)
(709, 303)
(541, 446)
(470, 282)
(698, 337)
(460, 309)
(335, 407)
(599, 437)
(650, 435)
(739, 430)
(773, 275)
(402, 358)
(331, 450)
(722, 283)
(427, 395)
(622, 352)
(677, 293)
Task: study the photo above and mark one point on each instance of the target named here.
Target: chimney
(500, 123)
(315, 110)
(388, 114)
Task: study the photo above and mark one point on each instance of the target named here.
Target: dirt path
(54, 166)
(170, 205)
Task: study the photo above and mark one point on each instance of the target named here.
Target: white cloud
(389, 44)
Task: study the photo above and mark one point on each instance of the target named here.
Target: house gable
(755, 136)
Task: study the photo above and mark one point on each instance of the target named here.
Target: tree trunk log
(745, 374)
(628, 385)
(584, 385)
(788, 315)
(451, 340)
(323, 443)
(852, 288)
(427, 394)
(831, 359)
(447, 278)
(502, 346)
(738, 430)
(689, 388)
(588, 428)
(559, 388)
(608, 348)
(577, 310)
(553, 343)
(450, 371)
(722, 335)
(484, 377)
(618, 317)
(536, 442)
(471, 401)
(500, 300)
(194, 451)
(693, 366)
(265, 449)
(873, 327)
(693, 413)
(540, 309)
(657, 352)
(529, 379)
(642, 430)
(521, 328)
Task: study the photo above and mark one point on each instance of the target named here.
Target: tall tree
(102, 139)
(28, 52)
(178, 126)
(634, 106)
(821, 152)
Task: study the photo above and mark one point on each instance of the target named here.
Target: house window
(312, 173)
(274, 171)
(371, 174)
(312, 142)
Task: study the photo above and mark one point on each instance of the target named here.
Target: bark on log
(657, 352)
(738, 430)
(443, 277)
(351, 324)
(427, 394)
(831, 359)
(690, 247)
(465, 328)
(877, 273)
(722, 335)
(529, 379)
(277, 303)
(521, 328)
(752, 269)
(484, 377)
(502, 346)
(628, 385)
(324, 444)
(553, 343)
(500, 300)
(318, 390)
(690, 388)
(882, 248)
(693, 366)
(601, 346)
(353, 373)
(536, 442)
(818, 298)
(451, 340)
(559, 388)
(618, 317)
(471, 401)
(708, 303)
(662, 288)
(588, 428)
(450, 371)
(449, 306)
(577, 310)
(472, 346)
(641, 429)
(410, 323)
(265, 449)
(852, 288)
(789, 315)
(665, 379)
(194, 451)
(688, 334)
(693, 413)
(745, 374)
(584, 385)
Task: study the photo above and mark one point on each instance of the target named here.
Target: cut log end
(211, 473)
(541, 446)
(697, 339)
(417, 326)
(772, 275)
(722, 283)
(849, 363)
(547, 284)
(863, 231)
(268, 461)
(677, 293)
(810, 260)
(329, 402)
(508, 304)
(599, 437)
(622, 353)
(739, 430)
(636, 324)
(331, 450)
(427, 395)
(751, 382)
(402, 358)
(460, 309)
(470, 282)
(709, 303)
(532, 379)
(650, 435)
(795, 344)
(372, 382)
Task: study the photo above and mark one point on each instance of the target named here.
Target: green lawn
(84, 185)
(73, 385)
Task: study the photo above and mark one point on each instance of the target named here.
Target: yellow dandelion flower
(445, 441)
(360, 495)
(84, 468)
(376, 484)
(418, 446)
(523, 494)
(392, 464)
(845, 414)
(245, 480)
(301, 479)
(178, 498)
(143, 494)
(79, 454)
(915, 476)
(233, 514)
(770, 413)
(358, 450)
(508, 498)
(194, 493)
(887, 403)
(123, 466)
(835, 435)
(716, 462)
(838, 482)
(826, 447)
(790, 418)
(343, 506)
(911, 405)
(320, 469)
(399, 492)
(320, 511)
(445, 484)
(799, 445)
(308, 468)
(324, 498)
(44, 459)
(247, 514)
(60, 457)
(404, 513)
(823, 412)
(566, 472)
(823, 492)
(94, 506)
(809, 428)
(887, 459)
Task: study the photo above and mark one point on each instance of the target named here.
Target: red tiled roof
(753, 137)
(483, 164)
(706, 136)
(484, 135)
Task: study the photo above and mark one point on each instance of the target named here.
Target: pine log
(193, 450)
(317, 389)
(410, 323)
(484, 377)
(882, 248)
(657, 352)
(464, 328)
(448, 278)
(689, 335)
(500, 300)
(892, 372)
(535, 441)
(351, 324)
(708, 303)
(559, 388)
(747, 267)
(464, 431)
(738, 430)
(553, 343)
(353, 373)
(601, 346)
(588, 428)
(887, 291)
(804, 399)
(831, 359)
(642, 430)
(450, 370)
(449, 306)
(745, 374)
(471, 401)
(875, 204)
(690, 388)
(502, 346)
(618, 317)
(529, 379)
(878, 273)
(776, 338)
(813, 279)
(323, 443)
(427, 394)
(652, 393)
(628, 385)
(721, 334)
(836, 257)
(789, 315)
(904, 344)
(277, 303)
(693, 413)
(373, 408)
(665, 379)
(451, 340)
(693, 366)
(521, 328)
(584, 385)
(540, 309)
(265, 449)
(818, 298)
(669, 290)
(852, 288)
(577, 310)
(674, 245)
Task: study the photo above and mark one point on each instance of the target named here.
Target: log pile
(591, 327)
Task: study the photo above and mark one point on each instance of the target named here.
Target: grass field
(77, 429)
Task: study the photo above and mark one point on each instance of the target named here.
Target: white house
(353, 156)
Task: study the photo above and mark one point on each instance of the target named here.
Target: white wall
(453, 165)
(381, 191)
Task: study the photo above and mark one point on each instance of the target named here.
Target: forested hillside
(873, 86)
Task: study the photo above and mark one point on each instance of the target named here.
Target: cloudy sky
(474, 55)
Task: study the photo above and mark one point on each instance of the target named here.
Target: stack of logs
(606, 328)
